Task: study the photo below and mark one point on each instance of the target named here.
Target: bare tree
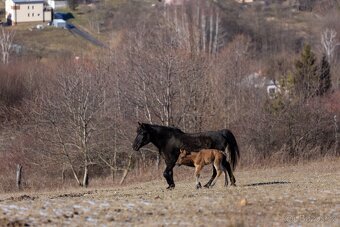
(232, 66)
(6, 41)
(163, 73)
(165, 81)
(196, 25)
(329, 43)
(74, 117)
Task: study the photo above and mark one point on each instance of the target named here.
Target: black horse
(169, 141)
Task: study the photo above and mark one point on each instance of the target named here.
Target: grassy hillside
(106, 20)
(49, 42)
(293, 195)
(96, 19)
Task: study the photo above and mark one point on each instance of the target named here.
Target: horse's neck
(193, 156)
(155, 136)
(160, 135)
(188, 161)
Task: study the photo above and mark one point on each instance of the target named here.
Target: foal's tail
(232, 147)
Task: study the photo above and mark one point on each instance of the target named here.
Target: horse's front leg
(168, 174)
(207, 185)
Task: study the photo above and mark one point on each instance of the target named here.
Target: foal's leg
(198, 169)
(207, 185)
(219, 171)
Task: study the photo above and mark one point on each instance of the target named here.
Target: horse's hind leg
(230, 173)
(225, 176)
(208, 184)
(219, 172)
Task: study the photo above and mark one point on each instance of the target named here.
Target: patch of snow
(130, 205)
(77, 207)
(104, 205)
(90, 219)
(91, 202)
(58, 211)
(144, 202)
(43, 213)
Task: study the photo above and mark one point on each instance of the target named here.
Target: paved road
(76, 31)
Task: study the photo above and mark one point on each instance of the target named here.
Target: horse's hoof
(233, 184)
(171, 187)
(198, 186)
(206, 186)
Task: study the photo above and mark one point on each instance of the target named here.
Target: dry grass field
(304, 194)
(50, 42)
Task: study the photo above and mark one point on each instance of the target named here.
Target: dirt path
(304, 194)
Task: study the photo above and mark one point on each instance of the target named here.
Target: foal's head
(143, 136)
(182, 158)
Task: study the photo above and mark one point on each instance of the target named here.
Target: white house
(57, 4)
(257, 80)
(59, 23)
(18, 11)
(272, 88)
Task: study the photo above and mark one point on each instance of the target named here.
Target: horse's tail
(232, 147)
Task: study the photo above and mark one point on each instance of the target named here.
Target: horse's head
(143, 136)
(182, 156)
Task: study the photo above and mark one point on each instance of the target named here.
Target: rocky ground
(307, 195)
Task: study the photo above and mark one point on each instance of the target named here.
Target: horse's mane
(170, 128)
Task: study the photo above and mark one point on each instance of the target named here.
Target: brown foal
(206, 157)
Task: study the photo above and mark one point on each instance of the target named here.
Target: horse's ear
(184, 151)
(141, 125)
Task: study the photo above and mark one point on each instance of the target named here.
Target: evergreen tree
(306, 77)
(325, 76)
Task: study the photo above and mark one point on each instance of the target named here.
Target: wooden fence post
(126, 171)
(63, 174)
(19, 174)
(336, 129)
